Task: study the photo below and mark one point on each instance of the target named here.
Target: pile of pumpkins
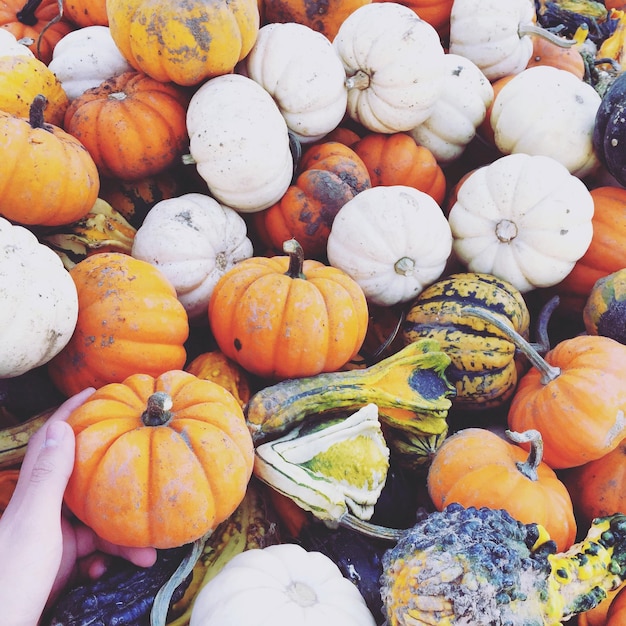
(202, 200)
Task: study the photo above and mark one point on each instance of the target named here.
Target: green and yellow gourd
(482, 567)
(484, 367)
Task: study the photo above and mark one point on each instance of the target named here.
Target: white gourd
(39, 302)
(193, 240)
(10, 46)
(301, 70)
(239, 141)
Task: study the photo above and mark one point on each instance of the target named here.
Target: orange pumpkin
(397, 160)
(86, 12)
(484, 130)
(598, 615)
(159, 461)
(132, 125)
(616, 614)
(545, 52)
(129, 322)
(38, 20)
(52, 179)
(284, 317)
(331, 173)
(8, 481)
(477, 467)
(435, 12)
(606, 253)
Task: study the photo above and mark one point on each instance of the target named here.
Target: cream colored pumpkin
(86, 57)
(459, 111)
(280, 584)
(393, 241)
(522, 218)
(549, 111)
(490, 33)
(301, 70)
(394, 66)
(10, 46)
(192, 239)
(239, 141)
(39, 302)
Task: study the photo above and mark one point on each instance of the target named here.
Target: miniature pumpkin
(300, 69)
(239, 141)
(606, 252)
(522, 218)
(394, 63)
(476, 467)
(297, 584)
(129, 321)
(396, 159)
(392, 240)
(85, 58)
(546, 52)
(549, 111)
(39, 21)
(53, 179)
(183, 43)
(435, 12)
(39, 302)
(158, 442)
(86, 13)
(485, 367)
(605, 310)
(193, 240)
(314, 322)
(330, 174)
(132, 125)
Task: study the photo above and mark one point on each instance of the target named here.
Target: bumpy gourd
(482, 567)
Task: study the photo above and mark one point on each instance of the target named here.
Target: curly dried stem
(529, 467)
(531, 29)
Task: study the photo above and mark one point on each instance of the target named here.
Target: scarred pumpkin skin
(132, 125)
(147, 477)
(129, 321)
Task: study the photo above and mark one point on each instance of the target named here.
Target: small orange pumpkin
(129, 321)
(435, 12)
(86, 12)
(477, 467)
(159, 461)
(545, 52)
(397, 160)
(132, 125)
(616, 614)
(8, 482)
(331, 173)
(284, 317)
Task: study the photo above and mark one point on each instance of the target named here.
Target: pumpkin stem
(548, 372)
(542, 323)
(532, 29)
(35, 113)
(529, 467)
(404, 266)
(157, 411)
(26, 15)
(296, 258)
(371, 530)
(359, 80)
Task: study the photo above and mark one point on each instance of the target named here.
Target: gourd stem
(371, 530)
(542, 323)
(26, 15)
(157, 411)
(404, 266)
(548, 372)
(530, 29)
(529, 467)
(296, 258)
(35, 113)
(359, 80)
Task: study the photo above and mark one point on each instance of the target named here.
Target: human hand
(42, 548)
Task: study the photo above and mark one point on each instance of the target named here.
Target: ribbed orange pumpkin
(284, 317)
(36, 20)
(330, 174)
(86, 12)
(435, 12)
(606, 253)
(477, 467)
(397, 160)
(132, 125)
(48, 178)
(129, 322)
(159, 461)
(545, 52)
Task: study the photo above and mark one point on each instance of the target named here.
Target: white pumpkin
(193, 240)
(460, 110)
(394, 66)
(10, 46)
(490, 33)
(239, 141)
(548, 111)
(301, 70)
(39, 302)
(393, 241)
(522, 218)
(280, 584)
(86, 57)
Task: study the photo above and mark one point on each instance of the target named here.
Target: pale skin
(43, 549)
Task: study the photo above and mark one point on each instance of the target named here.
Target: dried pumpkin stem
(157, 411)
(26, 15)
(359, 80)
(371, 530)
(296, 258)
(404, 266)
(531, 29)
(547, 371)
(529, 467)
(35, 113)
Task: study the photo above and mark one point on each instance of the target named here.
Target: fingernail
(54, 434)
